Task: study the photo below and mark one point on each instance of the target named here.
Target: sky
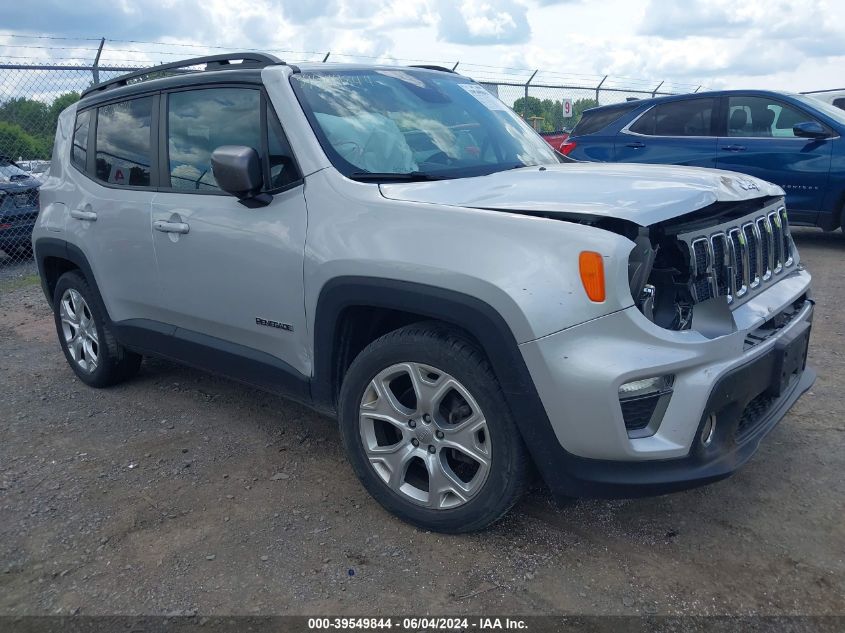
(790, 45)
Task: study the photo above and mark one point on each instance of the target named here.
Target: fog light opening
(643, 403)
(708, 431)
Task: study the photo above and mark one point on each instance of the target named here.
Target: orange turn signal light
(591, 267)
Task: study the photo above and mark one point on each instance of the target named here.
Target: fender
(45, 247)
(469, 313)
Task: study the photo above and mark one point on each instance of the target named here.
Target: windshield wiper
(377, 176)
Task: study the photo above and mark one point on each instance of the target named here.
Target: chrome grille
(739, 257)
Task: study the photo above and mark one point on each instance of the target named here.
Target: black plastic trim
(208, 353)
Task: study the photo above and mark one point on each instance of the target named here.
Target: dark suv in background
(794, 141)
(18, 207)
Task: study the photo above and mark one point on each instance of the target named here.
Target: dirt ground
(180, 492)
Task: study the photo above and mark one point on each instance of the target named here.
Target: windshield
(10, 172)
(825, 108)
(392, 122)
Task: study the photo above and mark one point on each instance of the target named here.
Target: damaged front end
(691, 271)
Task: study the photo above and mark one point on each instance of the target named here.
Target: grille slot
(739, 256)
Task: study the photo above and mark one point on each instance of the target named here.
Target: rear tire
(88, 343)
(428, 431)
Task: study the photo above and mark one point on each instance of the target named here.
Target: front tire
(428, 431)
(89, 346)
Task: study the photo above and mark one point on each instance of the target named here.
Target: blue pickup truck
(792, 140)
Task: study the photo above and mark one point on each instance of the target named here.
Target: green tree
(16, 143)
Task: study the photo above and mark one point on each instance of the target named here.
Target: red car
(556, 139)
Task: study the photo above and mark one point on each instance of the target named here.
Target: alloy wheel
(79, 330)
(425, 435)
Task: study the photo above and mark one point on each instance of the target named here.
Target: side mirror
(809, 129)
(237, 170)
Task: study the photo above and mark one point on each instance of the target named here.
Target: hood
(644, 194)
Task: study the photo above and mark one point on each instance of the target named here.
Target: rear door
(757, 139)
(675, 132)
(594, 134)
(231, 276)
(113, 178)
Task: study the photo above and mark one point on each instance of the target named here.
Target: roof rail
(212, 62)
(442, 69)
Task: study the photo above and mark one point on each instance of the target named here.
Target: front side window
(690, 117)
(123, 145)
(79, 149)
(762, 117)
(200, 121)
(405, 121)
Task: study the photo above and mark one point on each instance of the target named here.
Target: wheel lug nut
(426, 418)
(439, 435)
(412, 424)
(415, 442)
(431, 449)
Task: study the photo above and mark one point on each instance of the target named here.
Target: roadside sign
(567, 108)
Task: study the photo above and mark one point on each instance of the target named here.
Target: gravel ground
(180, 492)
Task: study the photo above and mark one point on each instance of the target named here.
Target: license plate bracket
(790, 357)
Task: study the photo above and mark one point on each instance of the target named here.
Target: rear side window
(79, 145)
(123, 145)
(839, 103)
(200, 121)
(691, 117)
(592, 122)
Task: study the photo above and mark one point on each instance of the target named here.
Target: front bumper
(577, 373)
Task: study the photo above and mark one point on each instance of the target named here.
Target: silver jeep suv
(394, 246)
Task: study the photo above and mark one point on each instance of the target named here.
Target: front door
(759, 141)
(231, 276)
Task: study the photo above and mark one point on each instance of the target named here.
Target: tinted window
(282, 168)
(123, 142)
(762, 117)
(839, 103)
(200, 121)
(692, 117)
(79, 149)
(592, 122)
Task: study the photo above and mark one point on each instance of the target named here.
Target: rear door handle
(733, 148)
(635, 145)
(79, 214)
(171, 227)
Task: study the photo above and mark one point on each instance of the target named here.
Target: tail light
(567, 146)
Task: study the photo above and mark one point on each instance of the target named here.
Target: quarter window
(79, 149)
(200, 121)
(123, 145)
(762, 117)
(691, 117)
(282, 167)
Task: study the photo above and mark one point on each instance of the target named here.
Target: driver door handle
(733, 148)
(635, 145)
(171, 227)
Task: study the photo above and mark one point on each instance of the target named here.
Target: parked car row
(18, 206)
(794, 141)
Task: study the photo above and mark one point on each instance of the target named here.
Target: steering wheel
(439, 158)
